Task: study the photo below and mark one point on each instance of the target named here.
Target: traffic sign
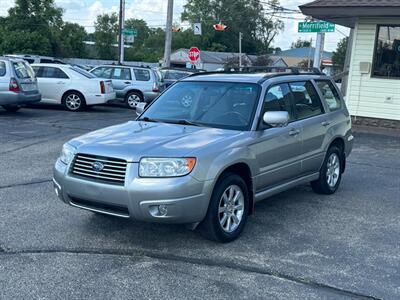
(194, 54)
(130, 32)
(316, 27)
(197, 28)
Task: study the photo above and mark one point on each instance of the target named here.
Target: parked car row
(74, 87)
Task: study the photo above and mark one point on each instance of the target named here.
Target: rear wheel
(74, 101)
(228, 209)
(12, 108)
(132, 99)
(330, 174)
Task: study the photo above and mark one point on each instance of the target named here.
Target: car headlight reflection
(166, 167)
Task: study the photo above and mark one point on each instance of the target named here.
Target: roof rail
(271, 69)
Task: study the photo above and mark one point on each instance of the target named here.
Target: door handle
(127, 82)
(326, 123)
(61, 82)
(294, 132)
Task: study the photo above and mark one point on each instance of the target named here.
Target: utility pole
(309, 55)
(319, 49)
(240, 50)
(121, 32)
(168, 34)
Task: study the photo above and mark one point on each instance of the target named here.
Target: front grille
(113, 170)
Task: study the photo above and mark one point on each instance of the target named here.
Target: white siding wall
(367, 96)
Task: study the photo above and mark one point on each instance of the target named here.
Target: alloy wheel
(73, 102)
(231, 208)
(133, 100)
(333, 170)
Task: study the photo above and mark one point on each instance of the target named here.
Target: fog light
(162, 210)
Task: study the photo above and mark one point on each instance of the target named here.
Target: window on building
(387, 52)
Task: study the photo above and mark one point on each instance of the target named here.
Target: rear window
(83, 72)
(142, 75)
(23, 70)
(2, 68)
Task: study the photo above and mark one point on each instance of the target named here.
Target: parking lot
(297, 245)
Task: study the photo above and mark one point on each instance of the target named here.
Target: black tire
(79, 104)
(11, 107)
(321, 185)
(130, 103)
(210, 227)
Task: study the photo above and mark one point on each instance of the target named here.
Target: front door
(277, 149)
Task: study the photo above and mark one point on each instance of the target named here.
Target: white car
(71, 86)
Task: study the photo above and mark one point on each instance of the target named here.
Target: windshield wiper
(147, 119)
(182, 122)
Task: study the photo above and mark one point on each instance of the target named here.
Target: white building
(373, 90)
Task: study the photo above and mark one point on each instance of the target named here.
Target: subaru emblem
(97, 166)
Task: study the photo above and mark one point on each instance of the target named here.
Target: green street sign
(130, 32)
(316, 27)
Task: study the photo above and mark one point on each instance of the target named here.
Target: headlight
(166, 167)
(67, 154)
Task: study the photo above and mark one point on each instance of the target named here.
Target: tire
(132, 99)
(330, 174)
(74, 101)
(215, 225)
(11, 108)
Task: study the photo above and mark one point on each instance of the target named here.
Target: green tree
(301, 44)
(72, 38)
(339, 56)
(254, 19)
(34, 25)
(105, 35)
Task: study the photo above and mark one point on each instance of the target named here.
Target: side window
(278, 99)
(38, 71)
(102, 72)
(121, 74)
(330, 94)
(306, 100)
(2, 68)
(142, 75)
(50, 72)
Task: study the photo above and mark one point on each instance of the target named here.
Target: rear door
(278, 149)
(122, 80)
(53, 82)
(310, 114)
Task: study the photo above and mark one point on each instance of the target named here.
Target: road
(298, 245)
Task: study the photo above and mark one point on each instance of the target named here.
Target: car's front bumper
(185, 198)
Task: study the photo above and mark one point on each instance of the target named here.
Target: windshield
(224, 105)
(83, 72)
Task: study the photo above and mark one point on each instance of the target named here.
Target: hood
(136, 139)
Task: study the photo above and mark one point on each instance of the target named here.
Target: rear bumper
(150, 96)
(9, 98)
(100, 98)
(185, 198)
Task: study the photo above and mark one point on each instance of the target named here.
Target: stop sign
(194, 54)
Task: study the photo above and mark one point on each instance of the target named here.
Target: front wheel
(228, 209)
(330, 174)
(11, 108)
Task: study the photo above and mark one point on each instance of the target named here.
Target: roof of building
(303, 52)
(353, 3)
(346, 12)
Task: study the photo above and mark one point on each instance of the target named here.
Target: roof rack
(281, 71)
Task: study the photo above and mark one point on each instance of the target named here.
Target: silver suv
(18, 84)
(207, 161)
(132, 84)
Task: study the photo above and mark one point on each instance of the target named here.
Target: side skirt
(285, 186)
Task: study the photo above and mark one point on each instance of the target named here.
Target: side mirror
(276, 118)
(140, 108)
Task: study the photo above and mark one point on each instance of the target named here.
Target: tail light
(102, 87)
(156, 88)
(13, 87)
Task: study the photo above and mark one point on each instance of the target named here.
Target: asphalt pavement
(297, 245)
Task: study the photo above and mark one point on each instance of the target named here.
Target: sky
(154, 12)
